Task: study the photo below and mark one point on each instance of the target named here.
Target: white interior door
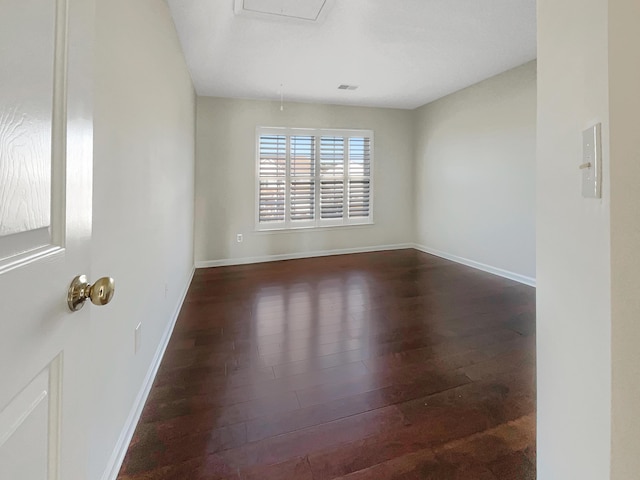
(46, 143)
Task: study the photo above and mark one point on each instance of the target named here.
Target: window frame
(317, 222)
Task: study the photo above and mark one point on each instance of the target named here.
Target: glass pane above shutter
(272, 201)
(332, 156)
(359, 156)
(273, 155)
(303, 155)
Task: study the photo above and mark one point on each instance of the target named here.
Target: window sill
(312, 228)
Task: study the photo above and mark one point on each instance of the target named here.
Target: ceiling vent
(296, 10)
(347, 87)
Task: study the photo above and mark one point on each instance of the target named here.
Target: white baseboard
(295, 256)
(120, 450)
(378, 248)
(480, 266)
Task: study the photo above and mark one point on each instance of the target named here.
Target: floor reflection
(375, 365)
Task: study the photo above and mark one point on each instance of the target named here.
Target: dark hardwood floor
(389, 365)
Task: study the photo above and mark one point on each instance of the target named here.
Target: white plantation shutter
(359, 191)
(359, 204)
(303, 173)
(272, 200)
(331, 199)
(272, 172)
(303, 156)
(313, 177)
(332, 155)
(303, 200)
(359, 157)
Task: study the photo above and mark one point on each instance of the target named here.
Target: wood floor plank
(279, 448)
(387, 365)
(297, 468)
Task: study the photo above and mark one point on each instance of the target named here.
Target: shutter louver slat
(360, 188)
(332, 156)
(359, 198)
(331, 199)
(272, 201)
(303, 200)
(273, 155)
(302, 193)
(359, 157)
(303, 156)
(273, 163)
(331, 165)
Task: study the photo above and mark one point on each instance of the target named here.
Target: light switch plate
(592, 162)
(137, 338)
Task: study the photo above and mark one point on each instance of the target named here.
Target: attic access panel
(307, 10)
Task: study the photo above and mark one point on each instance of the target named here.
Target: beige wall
(143, 204)
(587, 262)
(624, 80)
(225, 178)
(475, 173)
(573, 246)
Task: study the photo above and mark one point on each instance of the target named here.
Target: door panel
(26, 97)
(32, 417)
(46, 141)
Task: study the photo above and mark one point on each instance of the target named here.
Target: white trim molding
(120, 450)
(295, 256)
(516, 277)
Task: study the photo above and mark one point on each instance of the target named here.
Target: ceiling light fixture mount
(306, 11)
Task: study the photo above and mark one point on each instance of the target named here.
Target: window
(313, 178)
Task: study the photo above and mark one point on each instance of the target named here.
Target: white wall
(225, 178)
(143, 202)
(475, 173)
(624, 80)
(144, 199)
(573, 246)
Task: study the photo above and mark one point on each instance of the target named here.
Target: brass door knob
(100, 293)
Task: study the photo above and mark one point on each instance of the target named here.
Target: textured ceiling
(401, 53)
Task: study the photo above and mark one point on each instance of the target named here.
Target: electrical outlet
(137, 338)
(239, 238)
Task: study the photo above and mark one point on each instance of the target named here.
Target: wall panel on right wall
(475, 156)
(624, 105)
(573, 311)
